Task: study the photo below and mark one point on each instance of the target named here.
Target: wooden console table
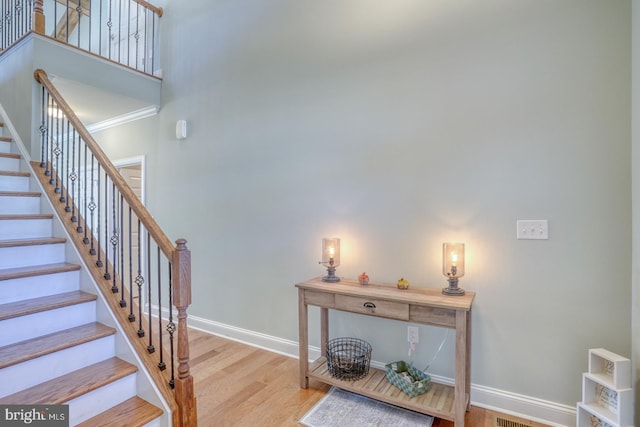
(416, 305)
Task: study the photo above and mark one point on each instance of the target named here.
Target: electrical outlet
(412, 334)
(532, 229)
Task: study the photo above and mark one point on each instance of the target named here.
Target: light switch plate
(532, 229)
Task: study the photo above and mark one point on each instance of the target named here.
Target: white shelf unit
(607, 397)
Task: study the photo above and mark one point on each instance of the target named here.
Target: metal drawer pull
(371, 306)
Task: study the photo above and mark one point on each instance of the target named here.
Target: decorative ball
(403, 283)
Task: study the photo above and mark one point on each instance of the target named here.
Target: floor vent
(502, 421)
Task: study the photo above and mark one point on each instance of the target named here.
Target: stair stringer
(145, 385)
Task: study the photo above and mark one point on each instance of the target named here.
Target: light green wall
(17, 87)
(635, 310)
(397, 126)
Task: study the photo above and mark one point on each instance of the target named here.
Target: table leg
(460, 395)
(468, 356)
(324, 330)
(303, 342)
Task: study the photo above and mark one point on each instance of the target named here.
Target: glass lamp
(330, 258)
(453, 266)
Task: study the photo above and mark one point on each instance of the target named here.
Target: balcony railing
(123, 31)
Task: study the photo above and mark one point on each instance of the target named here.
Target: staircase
(57, 345)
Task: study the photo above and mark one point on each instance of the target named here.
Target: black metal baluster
(114, 239)
(139, 280)
(109, 25)
(97, 231)
(145, 31)
(66, 13)
(73, 176)
(150, 347)
(100, 30)
(89, 19)
(123, 302)
(137, 35)
(55, 15)
(171, 328)
(79, 12)
(49, 148)
(2, 34)
(18, 10)
(132, 317)
(62, 172)
(95, 226)
(161, 365)
(107, 276)
(57, 151)
(9, 20)
(85, 201)
(120, 31)
(128, 35)
(43, 129)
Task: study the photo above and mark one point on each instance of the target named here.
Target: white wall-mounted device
(181, 129)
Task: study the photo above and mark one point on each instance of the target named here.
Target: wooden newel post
(184, 392)
(38, 17)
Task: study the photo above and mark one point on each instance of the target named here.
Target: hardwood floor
(238, 385)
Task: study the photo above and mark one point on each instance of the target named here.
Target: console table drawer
(321, 299)
(433, 316)
(373, 307)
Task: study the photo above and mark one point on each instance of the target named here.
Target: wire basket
(410, 380)
(348, 358)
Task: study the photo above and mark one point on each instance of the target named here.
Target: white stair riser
(155, 423)
(23, 256)
(14, 183)
(5, 147)
(32, 372)
(38, 286)
(25, 228)
(10, 205)
(34, 325)
(99, 400)
(9, 164)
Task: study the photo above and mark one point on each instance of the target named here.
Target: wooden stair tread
(25, 216)
(10, 155)
(74, 384)
(47, 344)
(20, 193)
(14, 173)
(5, 138)
(38, 270)
(31, 242)
(134, 412)
(40, 304)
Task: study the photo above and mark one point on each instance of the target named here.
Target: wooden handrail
(134, 202)
(157, 10)
(179, 257)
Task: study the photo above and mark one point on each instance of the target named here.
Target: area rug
(341, 408)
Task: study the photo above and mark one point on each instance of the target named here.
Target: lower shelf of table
(438, 401)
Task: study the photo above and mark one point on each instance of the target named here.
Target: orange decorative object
(363, 279)
(403, 283)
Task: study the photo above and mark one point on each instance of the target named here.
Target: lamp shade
(330, 252)
(453, 260)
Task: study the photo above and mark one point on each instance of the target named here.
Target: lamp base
(331, 276)
(453, 288)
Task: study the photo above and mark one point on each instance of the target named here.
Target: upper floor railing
(123, 31)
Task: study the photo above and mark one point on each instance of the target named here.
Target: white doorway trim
(135, 161)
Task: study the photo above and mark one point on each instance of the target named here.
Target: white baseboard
(542, 411)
